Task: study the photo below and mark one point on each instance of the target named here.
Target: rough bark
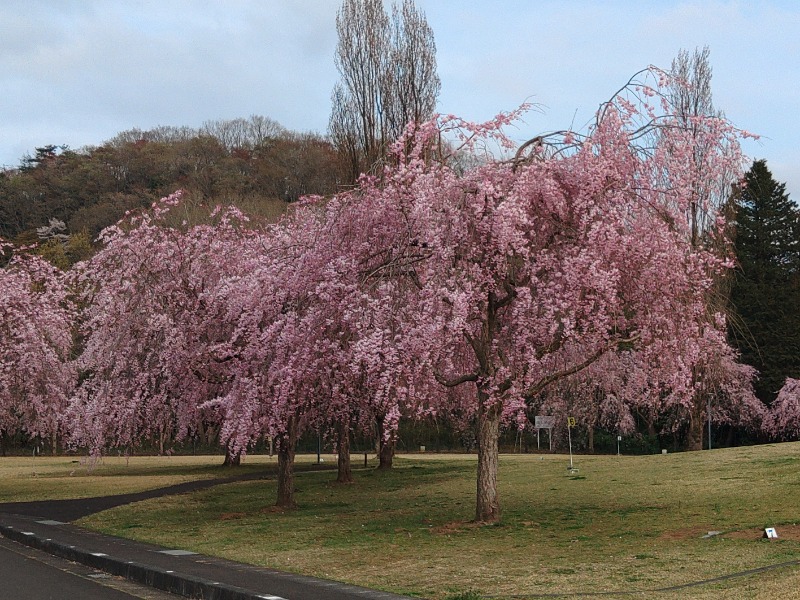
(651, 426)
(487, 508)
(345, 475)
(286, 451)
(694, 436)
(386, 446)
(232, 459)
(386, 453)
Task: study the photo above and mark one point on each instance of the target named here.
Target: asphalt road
(28, 574)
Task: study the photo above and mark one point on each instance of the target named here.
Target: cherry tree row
(564, 278)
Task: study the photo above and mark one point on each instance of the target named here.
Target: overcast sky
(77, 72)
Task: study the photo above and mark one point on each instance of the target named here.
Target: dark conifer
(766, 290)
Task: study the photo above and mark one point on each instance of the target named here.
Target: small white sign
(770, 533)
(543, 422)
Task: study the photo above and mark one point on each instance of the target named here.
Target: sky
(77, 72)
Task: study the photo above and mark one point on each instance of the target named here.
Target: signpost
(570, 425)
(544, 422)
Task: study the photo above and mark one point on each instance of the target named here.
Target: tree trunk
(591, 438)
(386, 446)
(694, 437)
(487, 508)
(286, 450)
(345, 475)
(231, 459)
(211, 435)
(730, 437)
(386, 454)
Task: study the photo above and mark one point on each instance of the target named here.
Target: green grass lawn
(630, 525)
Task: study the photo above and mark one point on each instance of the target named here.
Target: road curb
(168, 581)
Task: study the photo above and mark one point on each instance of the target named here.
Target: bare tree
(165, 134)
(345, 132)
(411, 82)
(260, 129)
(690, 97)
(388, 78)
(231, 133)
(243, 133)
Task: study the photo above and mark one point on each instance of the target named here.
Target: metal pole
(569, 436)
(709, 422)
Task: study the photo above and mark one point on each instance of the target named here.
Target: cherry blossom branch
(547, 380)
(456, 381)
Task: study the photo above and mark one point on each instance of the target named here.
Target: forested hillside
(253, 163)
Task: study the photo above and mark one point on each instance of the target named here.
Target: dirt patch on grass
(530, 523)
(785, 532)
(231, 516)
(270, 510)
(456, 527)
(687, 533)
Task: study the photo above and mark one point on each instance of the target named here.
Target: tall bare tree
(691, 99)
(388, 78)
(411, 83)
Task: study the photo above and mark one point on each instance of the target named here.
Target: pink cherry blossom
(36, 325)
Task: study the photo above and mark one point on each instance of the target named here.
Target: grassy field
(631, 526)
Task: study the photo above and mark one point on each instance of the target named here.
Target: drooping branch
(555, 376)
(400, 265)
(455, 381)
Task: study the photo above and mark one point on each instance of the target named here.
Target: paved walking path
(45, 526)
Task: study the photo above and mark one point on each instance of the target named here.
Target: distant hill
(253, 163)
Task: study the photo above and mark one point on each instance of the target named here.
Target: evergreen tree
(766, 288)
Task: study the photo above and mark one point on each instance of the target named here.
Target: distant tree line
(252, 162)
